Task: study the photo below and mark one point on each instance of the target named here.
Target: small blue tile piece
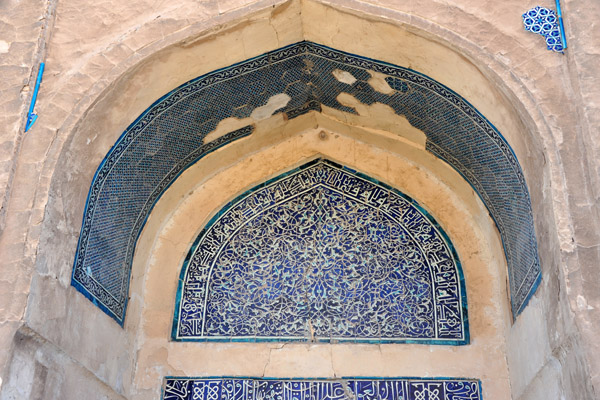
(169, 137)
(544, 21)
(321, 389)
(322, 253)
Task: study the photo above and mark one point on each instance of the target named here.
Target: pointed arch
(322, 253)
(174, 133)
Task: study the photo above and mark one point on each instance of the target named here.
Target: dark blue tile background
(322, 253)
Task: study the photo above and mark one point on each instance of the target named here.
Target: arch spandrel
(149, 160)
(322, 253)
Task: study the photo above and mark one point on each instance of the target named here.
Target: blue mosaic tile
(544, 22)
(322, 253)
(169, 137)
(321, 389)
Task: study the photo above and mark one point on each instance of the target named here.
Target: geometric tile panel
(543, 21)
(322, 253)
(321, 389)
(169, 137)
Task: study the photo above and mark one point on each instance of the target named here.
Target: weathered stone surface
(107, 61)
(40, 370)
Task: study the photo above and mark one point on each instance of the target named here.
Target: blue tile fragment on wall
(168, 137)
(321, 389)
(544, 22)
(322, 253)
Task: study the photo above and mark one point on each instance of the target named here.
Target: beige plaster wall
(23, 31)
(204, 188)
(40, 370)
(106, 62)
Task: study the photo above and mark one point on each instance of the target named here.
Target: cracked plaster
(544, 103)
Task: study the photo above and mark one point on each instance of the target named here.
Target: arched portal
(191, 121)
(322, 253)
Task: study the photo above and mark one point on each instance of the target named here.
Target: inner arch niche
(322, 253)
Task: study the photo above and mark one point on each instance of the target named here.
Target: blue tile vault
(321, 389)
(322, 253)
(168, 137)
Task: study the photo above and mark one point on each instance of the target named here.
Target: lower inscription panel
(321, 389)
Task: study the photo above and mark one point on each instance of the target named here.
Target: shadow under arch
(169, 137)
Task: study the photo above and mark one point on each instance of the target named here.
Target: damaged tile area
(172, 134)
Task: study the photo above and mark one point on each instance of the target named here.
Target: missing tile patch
(275, 103)
(344, 76)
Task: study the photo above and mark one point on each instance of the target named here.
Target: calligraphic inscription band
(321, 389)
